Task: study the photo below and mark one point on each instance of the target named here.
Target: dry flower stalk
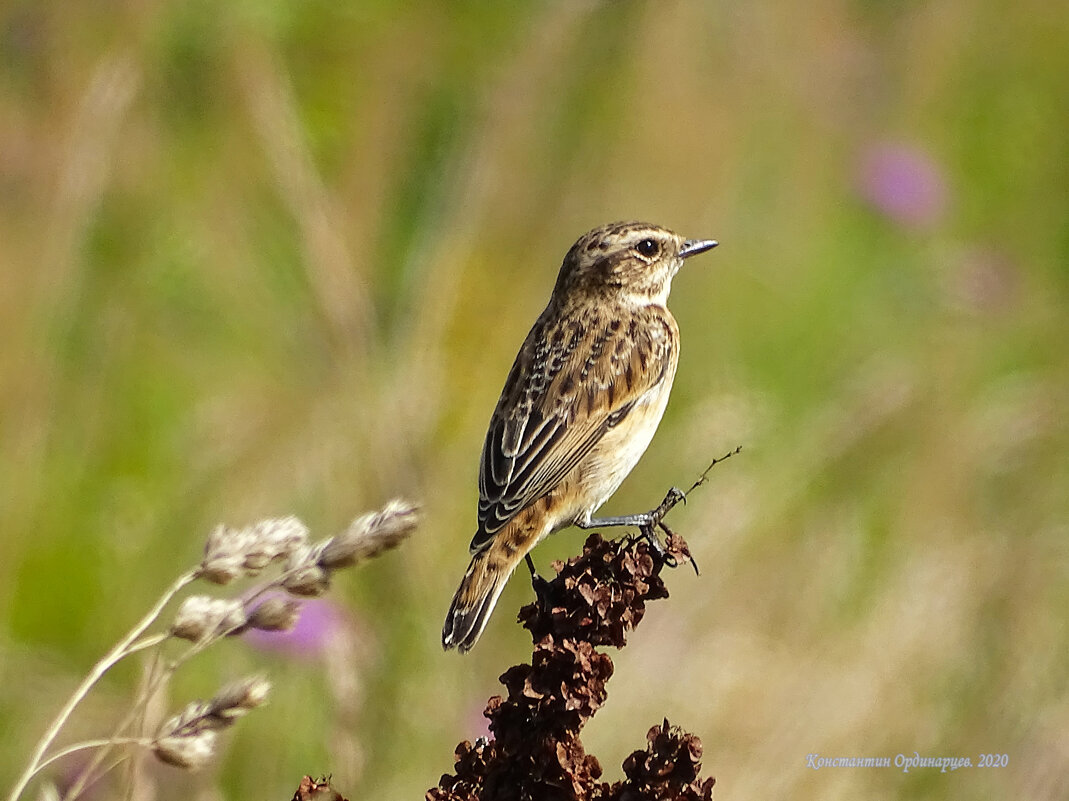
(535, 751)
(189, 739)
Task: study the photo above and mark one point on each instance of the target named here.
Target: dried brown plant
(536, 751)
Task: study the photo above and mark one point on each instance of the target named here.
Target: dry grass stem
(188, 739)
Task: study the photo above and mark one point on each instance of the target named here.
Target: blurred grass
(273, 258)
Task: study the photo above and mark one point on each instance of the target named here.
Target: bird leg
(646, 522)
(537, 582)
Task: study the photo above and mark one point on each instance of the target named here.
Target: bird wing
(572, 381)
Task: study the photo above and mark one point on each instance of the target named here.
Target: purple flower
(320, 622)
(904, 183)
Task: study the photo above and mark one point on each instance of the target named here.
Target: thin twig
(676, 496)
(705, 473)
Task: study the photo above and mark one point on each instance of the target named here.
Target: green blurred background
(262, 258)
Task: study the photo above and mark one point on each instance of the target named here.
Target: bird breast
(606, 466)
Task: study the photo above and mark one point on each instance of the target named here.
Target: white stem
(121, 650)
(101, 743)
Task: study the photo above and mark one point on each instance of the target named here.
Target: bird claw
(542, 593)
(649, 534)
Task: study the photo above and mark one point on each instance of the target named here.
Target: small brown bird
(580, 405)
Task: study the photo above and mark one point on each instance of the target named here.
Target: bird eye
(648, 248)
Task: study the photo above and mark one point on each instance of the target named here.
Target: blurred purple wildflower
(320, 623)
(903, 183)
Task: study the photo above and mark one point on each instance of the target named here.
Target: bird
(580, 405)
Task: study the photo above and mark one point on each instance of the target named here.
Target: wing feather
(573, 380)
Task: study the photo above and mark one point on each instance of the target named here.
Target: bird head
(630, 261)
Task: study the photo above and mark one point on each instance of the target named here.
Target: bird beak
(692, 247)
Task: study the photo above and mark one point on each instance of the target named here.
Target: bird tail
(479, 590)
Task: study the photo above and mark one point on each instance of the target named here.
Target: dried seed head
(232, 552)
(190, 751)
(188, 739)
(275, 614)
(238, 698)
(369, 535)
(200, 616)
(307, 581)
(274, 539)
(188, 722)
(302, 575)
(223, 556)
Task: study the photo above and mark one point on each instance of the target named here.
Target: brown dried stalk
(535, 751)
